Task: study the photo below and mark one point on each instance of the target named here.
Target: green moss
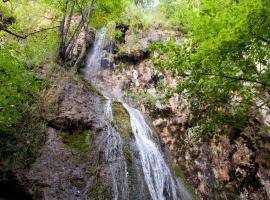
(121, 121)
(78, 141)
(92, 88)
(128, 156)
(179, 173)
(99, 190)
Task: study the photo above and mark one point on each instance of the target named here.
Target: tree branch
(67, 23)
(14, 34)
(29, 34)
(267, 41)
(61, 47)
(237, 78)
(229, 77)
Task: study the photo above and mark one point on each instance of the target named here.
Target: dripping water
(93, 63)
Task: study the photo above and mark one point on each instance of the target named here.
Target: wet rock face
(230, 166)
(76, 169)
(72, 105)
(71, 164)
(62, 172)
(57, 171)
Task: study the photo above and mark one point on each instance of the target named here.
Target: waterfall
(157, 177)
(93, 63)
(115, 157)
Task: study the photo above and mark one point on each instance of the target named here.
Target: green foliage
(17, 88)
(37, 50)
(21, 127)
(20, 144)
(177, 12)
(32, 16)
(224, 61)
(107, 10)
(140, 20)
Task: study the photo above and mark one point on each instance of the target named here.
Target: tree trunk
(66, 44)
(82, 21)
(61, 50)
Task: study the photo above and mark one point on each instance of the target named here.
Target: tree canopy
(224, 60)
(29, 32)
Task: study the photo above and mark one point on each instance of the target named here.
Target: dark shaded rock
(75, 105)
(61, 172)
(133, 57)
(11, 191)
(107, 62)
(123, 28)
(133, 52)
(230, 164)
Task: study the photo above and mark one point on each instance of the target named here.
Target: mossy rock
(179, 173)
(121, 121)
(77, 140)
(92, 88)
(100, 189)
(128, 156)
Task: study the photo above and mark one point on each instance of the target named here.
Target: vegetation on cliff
(29, 40)
(218, 52)
(121, 121)
(29, 33)
(224, 61)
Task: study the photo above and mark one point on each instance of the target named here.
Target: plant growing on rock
(121, 121)
(224, 64)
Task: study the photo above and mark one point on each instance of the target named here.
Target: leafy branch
(29, 34)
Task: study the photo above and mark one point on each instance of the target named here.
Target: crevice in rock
(11, 191)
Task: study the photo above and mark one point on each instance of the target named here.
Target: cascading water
(115, 157)
(93, 63)
(157, 175)
(159, 181)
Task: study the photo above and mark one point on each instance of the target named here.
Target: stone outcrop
(70, 163)
(136, 45)
(72, 104)
(222, 166)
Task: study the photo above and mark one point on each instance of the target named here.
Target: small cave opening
(11, 191)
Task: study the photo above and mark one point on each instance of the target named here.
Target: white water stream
(157, 175)
(115, 157)
(93, 62)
